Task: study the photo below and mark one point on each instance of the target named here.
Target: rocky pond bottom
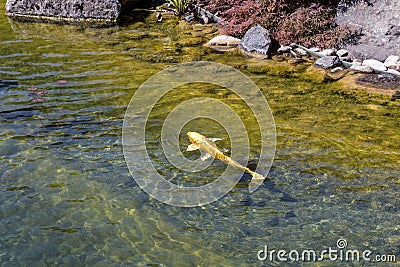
(67, 196)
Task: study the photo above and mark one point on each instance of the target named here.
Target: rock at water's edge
(358, 67)
(375, 65)
(328, 62)
(328, 52)
(258, 40)
(224, 40)
(392, 62)
(284, 49)
(65, 9)
(378, 20)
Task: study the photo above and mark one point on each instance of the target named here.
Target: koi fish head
(195, 138)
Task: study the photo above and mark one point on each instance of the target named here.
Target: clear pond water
(66, 194)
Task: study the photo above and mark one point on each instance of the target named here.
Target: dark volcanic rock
(258, 40)
(385, 81)
(379, 22)
(65, 9)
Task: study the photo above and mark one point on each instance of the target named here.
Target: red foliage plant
(311, 23)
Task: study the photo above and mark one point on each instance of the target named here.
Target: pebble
(189, 18)
(41, 93)
(205, 19)
(37, 100)
(375, 65)
(284, 49)
(328, 52)
(301, 52)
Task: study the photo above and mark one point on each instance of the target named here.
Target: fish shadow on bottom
(268, 184)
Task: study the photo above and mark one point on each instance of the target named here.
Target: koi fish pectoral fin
(205, 157)
(192, 147)
(214, 139)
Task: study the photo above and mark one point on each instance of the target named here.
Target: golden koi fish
(208, 145)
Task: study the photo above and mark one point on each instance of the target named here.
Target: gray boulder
(65, 9)
(258, 40)
(379, 23)
(328, 62)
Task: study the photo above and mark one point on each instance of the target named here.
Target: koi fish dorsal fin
(192, 147)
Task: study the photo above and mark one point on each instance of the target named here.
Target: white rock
(328, 52)
(375, 65)
(361, 68)
(395, 72)
(347, 58)
(342, 53)
(337, 69)
(205, 19)
(224, 40)
(392, 62)
(301, 52)
(345, 55)
(284, 49)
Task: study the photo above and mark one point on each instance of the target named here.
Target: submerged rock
(223, 43)
(258, 40)
(328, 62)
(66, 9)
(224, 40)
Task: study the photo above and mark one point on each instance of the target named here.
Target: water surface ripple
(67, 196)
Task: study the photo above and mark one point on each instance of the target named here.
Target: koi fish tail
(257, 180)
